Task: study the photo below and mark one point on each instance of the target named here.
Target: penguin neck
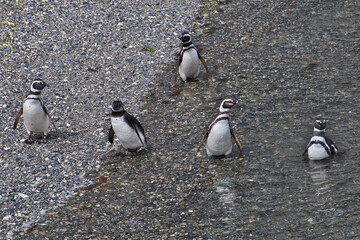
(117, 113)
(34, 94)
(318, 132)
(219, 117)
(223, 110)
(188, 44)
(223, 113)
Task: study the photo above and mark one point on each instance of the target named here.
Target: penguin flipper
(111, 135)
(18, 118)
(307, 147)
(47, 113)
(203, 62)
(331, 144)
(135, 124)
(305, 152)
(177, 66)
(138, 129)
(236, 139)
(179, 61)
(203, 140)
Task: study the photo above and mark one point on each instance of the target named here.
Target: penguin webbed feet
(141, 149)
(185, 82)
(44, 139)
(134, 151)
(29, 139)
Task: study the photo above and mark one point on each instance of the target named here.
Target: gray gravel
(89, 53)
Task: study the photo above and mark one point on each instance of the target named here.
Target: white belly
(35, 119)
(126, 135)
(219, 140)
(317, 152)
(190, 65)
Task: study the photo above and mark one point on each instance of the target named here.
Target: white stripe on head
(188, 36)
(225, 109)
(37, 86)
(117, 106)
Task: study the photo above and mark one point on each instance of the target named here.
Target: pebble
(22, 195)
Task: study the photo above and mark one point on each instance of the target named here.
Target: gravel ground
(287, 61)
(89, 53)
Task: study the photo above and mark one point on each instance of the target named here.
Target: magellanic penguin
(36, 116)
(320, 147)
(218, 135)
(127, 129)
(189, 59)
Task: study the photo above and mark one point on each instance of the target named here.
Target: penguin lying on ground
(127, 129)
(320, 147)
(189, 59)
(218, 135)
(36, 116)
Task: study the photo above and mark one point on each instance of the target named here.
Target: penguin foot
(185, 81)
(127, 153)
(29, 140)
(44, 139)
(140, 149)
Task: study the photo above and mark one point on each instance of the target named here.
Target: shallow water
(271, 191)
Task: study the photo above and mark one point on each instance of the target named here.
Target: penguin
(189, 58)
(127, 129)
(36, 116)
(320, 147)
(218, 135)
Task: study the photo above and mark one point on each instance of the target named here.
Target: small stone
(22, 195)
(6, 218)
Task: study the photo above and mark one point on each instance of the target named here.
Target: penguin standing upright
(189, 59)
(218, 135)
(320, 147)
(36, 116)
(127, 129)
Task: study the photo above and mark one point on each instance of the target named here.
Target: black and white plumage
(218, 136)
(189, 59)
(320, 147)
(36, 116)
(127, 129)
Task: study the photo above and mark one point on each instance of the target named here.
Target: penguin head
(185, 36)
(117, 106)
(226, 104)
(320, 125)
(38, 85)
